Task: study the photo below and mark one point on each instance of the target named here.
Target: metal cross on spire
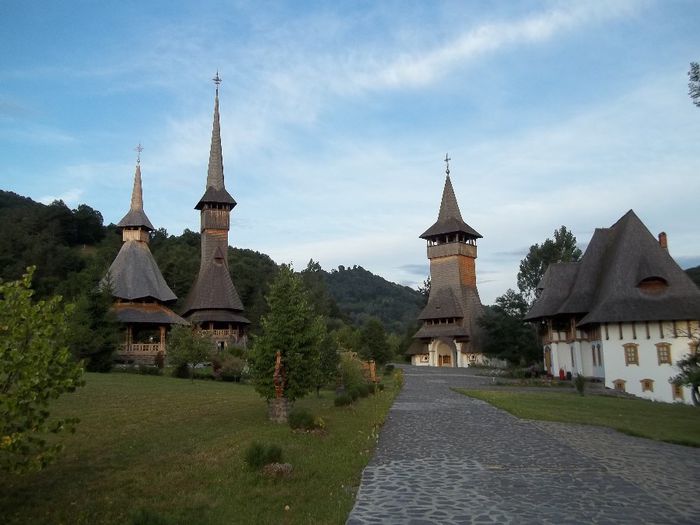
(217, 81)
(138, 149)
(447, 164)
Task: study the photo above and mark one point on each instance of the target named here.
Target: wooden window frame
(663, 353)
(647, 385)
(631, 354)
(619, 385)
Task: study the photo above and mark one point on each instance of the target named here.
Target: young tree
(292, 328)
(36, 366)
(94, 329)
(562, 249)
(694, 83)
(329, 359)
(506, 334)
(373, 342)
(689, 376)
(187, 347)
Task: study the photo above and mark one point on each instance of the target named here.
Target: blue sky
(335, 118)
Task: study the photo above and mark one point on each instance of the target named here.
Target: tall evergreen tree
(291, 327)
(562, 249)
(373, 342)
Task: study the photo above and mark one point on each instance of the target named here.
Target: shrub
(363, 389)
(388, 369)
(398, 379)
(351, 371)
(181, 371)
(580, 383)
(232, 368)
(301, 418)
(258, 455)
(146, 370)
(354, 392)
(342, 400)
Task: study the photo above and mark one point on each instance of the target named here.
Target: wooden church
(213, 304)
(450, 335)
(142, 297)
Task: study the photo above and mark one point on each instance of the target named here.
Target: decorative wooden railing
(141, 348)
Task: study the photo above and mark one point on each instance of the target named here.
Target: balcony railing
(141, 348)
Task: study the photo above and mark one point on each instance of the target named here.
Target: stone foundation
(278, 409)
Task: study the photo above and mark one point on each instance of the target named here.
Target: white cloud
(71, 197)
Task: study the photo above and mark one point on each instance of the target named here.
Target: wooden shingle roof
(215, 192)
(136, 217)
(148, 313)
(134, 274)
(607, 284)
(449, 218)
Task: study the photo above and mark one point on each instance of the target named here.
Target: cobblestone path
(445, 458)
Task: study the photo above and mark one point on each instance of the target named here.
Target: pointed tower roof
(216, 190)
(136, 217)
(449, 219)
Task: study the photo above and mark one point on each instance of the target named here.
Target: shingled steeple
(450, 334)
(213, 302)
(215, 191)
(136, 217)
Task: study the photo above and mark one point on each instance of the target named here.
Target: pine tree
(292, 328)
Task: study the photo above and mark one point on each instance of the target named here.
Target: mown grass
(172, 451)
(674, 423)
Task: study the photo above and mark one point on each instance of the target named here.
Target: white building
(625, 313)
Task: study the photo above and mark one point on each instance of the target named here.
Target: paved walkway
(445, 458)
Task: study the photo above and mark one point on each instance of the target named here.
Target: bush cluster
(300, 418)
(388, 369)
(342, 400)
(258, 455)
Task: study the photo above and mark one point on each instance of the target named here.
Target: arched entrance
(446, 352)
(548, 359)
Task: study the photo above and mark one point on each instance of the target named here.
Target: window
(647, 385)
(677, 392)
(595, 363)
(631, 354)
(619, 385)
(663, 352)
(619, 329)
(600, 357)
(693, 347)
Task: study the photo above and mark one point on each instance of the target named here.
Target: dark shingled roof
(442, 330)
(216, 190)
(217, 316)
(134, 274)
(148, 313)
(442, 304)
(136, 217)
(213, 290)
(605, 287)
(417, 348)
(449, 219)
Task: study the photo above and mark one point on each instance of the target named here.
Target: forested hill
(694, 274)
(72, 250)
(360, 295)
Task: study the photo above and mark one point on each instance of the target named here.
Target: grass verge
(154, 449)
(674, 423)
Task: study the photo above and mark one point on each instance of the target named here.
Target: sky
(336, 117)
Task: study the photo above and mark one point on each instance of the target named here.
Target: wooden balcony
(141, 349)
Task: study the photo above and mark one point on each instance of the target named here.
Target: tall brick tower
(213, 303)
(450, 333)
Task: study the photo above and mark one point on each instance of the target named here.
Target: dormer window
(653, 285)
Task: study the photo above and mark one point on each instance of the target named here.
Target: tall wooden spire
(213, 302)
(136, 218)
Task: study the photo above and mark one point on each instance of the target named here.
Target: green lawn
(674, 423)
(174, 449)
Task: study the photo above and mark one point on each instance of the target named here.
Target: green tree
(562, 249)
(689, 376)
(188, 348)
(694, 83)
(291, 327)
(373, 342)
(94, 329)
(36, 366)
(506, 334)
(328, 362)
